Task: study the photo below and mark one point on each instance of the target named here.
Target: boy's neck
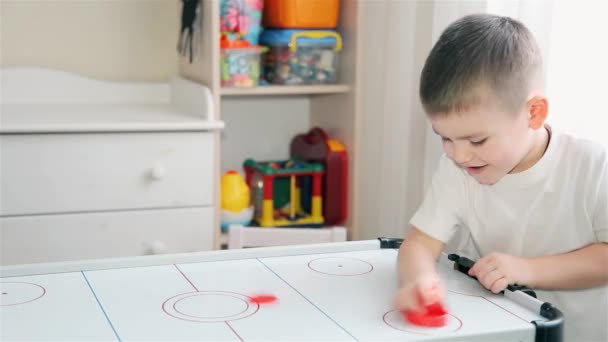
(539, 147)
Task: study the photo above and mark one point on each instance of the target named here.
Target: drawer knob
(157, 172)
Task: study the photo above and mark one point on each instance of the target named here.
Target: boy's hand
(421, 292)
(496, 270)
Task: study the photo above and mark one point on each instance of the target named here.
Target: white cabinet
(59, 237)
(104, 169)
(49, 173)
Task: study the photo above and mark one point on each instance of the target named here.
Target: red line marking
(464, 294)
(180, 271)
(234, 331)
(525, 320)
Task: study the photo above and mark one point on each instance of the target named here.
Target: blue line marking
(101, 306)
(313, 304)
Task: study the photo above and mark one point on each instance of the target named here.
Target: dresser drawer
(62, 173)
(49, 238)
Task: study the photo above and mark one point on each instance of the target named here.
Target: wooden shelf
(286, 90)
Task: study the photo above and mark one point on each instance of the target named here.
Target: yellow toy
(235, 200)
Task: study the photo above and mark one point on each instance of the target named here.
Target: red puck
(263, 299)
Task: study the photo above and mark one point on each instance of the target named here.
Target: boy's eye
(480, 142)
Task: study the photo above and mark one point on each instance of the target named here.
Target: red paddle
(435, 315)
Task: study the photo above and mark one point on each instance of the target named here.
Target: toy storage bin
(301, 56)
(239, 64)
(241, 19)
(310, 14)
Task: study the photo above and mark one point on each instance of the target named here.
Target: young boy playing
(532, 203)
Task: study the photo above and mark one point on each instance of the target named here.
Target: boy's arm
(584, 268)
(418, 255)
(439, 217)
(420, 284)
(588, 266)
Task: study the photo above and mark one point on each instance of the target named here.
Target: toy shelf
(286, 90)
(334, 107)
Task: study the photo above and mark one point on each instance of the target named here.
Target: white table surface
(345, 295)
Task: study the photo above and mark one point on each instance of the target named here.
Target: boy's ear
(538, 107)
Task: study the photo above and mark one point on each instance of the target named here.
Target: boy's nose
(461, 154)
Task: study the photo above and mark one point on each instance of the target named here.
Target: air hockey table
(329, 292)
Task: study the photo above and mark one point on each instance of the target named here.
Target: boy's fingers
(499, 285)
(430, 294)
(490, 278)
(406, 299)
(483, 267)
(424, 298)
(474, 271)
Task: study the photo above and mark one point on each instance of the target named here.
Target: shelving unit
(333, 107)
(286, 90)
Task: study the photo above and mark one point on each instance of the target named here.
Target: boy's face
(486, 141)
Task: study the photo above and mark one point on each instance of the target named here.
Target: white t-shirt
(557, 206)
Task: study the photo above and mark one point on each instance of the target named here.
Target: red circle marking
(169, 307)
(209, 317)
(417, 332)
(43, 292)
(371, 267)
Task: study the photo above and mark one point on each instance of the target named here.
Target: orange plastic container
(301, 13)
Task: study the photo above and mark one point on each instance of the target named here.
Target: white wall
(261, 129)
(578, 69)
(105, 39)
(396, 37)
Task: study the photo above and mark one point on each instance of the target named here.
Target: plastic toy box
(239, 63)
(301, 56)
(301, 13)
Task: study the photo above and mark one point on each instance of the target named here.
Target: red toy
(316, 146)
(434, 316)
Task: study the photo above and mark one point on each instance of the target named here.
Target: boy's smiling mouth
(476, 169)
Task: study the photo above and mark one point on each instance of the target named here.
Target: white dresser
(93, 169)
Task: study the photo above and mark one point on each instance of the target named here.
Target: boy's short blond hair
(479, 57)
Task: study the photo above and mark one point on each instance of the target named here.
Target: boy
(532, 203)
